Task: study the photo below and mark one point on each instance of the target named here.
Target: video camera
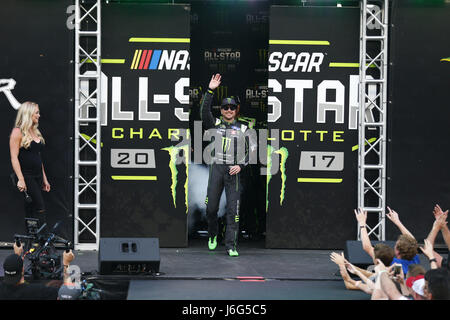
(40, 250)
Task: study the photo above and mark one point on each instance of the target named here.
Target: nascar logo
(293, 61)
(160, 60)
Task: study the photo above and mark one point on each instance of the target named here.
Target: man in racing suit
(224, 171)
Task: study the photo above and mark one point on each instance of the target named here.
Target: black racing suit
(219, 178)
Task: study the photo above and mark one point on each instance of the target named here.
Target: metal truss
(373, 114)
(87, 124)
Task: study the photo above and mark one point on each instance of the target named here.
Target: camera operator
(14, 286)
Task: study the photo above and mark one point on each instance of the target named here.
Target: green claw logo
(284, 153)
(250, 121)
(226, 143)
(173, 153)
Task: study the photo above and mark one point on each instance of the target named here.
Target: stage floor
(235, 289)
(195, 273)
(199, 274)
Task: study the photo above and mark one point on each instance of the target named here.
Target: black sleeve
(205, 109)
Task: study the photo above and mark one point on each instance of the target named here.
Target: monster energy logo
(263, 55)
(283, 152)
(221, 93)
(250, 121)
(174, 156)
(226, 142)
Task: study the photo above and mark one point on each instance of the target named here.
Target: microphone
(27, 197)
(13, 177)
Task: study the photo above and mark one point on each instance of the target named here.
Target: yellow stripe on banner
(319, 180)
(347, 65)
(171, 40)
(135, 178)
(343, 65)
(117, 61)
(134, 59)
(138, 58)
(301, 42)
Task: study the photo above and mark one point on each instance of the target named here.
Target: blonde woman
(26, 143)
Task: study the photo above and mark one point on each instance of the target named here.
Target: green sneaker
(232, 253)
(212, 243)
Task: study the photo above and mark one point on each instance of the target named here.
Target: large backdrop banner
(36, 64)
(145, 97)
(419, 114)
(312, 122)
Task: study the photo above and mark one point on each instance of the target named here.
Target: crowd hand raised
(361, 216)
(393, 216)
(68, 257)
(441, 220)
(427, 249)
(18, 250)
(337, 258)
(437, 211)
(440, 216)
(215, 81)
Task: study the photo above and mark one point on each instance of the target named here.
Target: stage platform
(195, 273)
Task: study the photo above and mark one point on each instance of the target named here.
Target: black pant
(219, 178)
(35, 208)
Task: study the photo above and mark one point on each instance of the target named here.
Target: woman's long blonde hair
(24, 122)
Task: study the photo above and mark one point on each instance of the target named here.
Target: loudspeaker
(118, 256)
(356, 255)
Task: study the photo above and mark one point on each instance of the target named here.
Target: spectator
(351, 284)
(440, 224)
(406, 247)
(406, 251)
(381, 251)
(14, 286)
(385, 253)
(385, 288)
(415, 286)
(415, 270)
(437, 284)
(434, 285)
(69, 292)
(412, 288)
